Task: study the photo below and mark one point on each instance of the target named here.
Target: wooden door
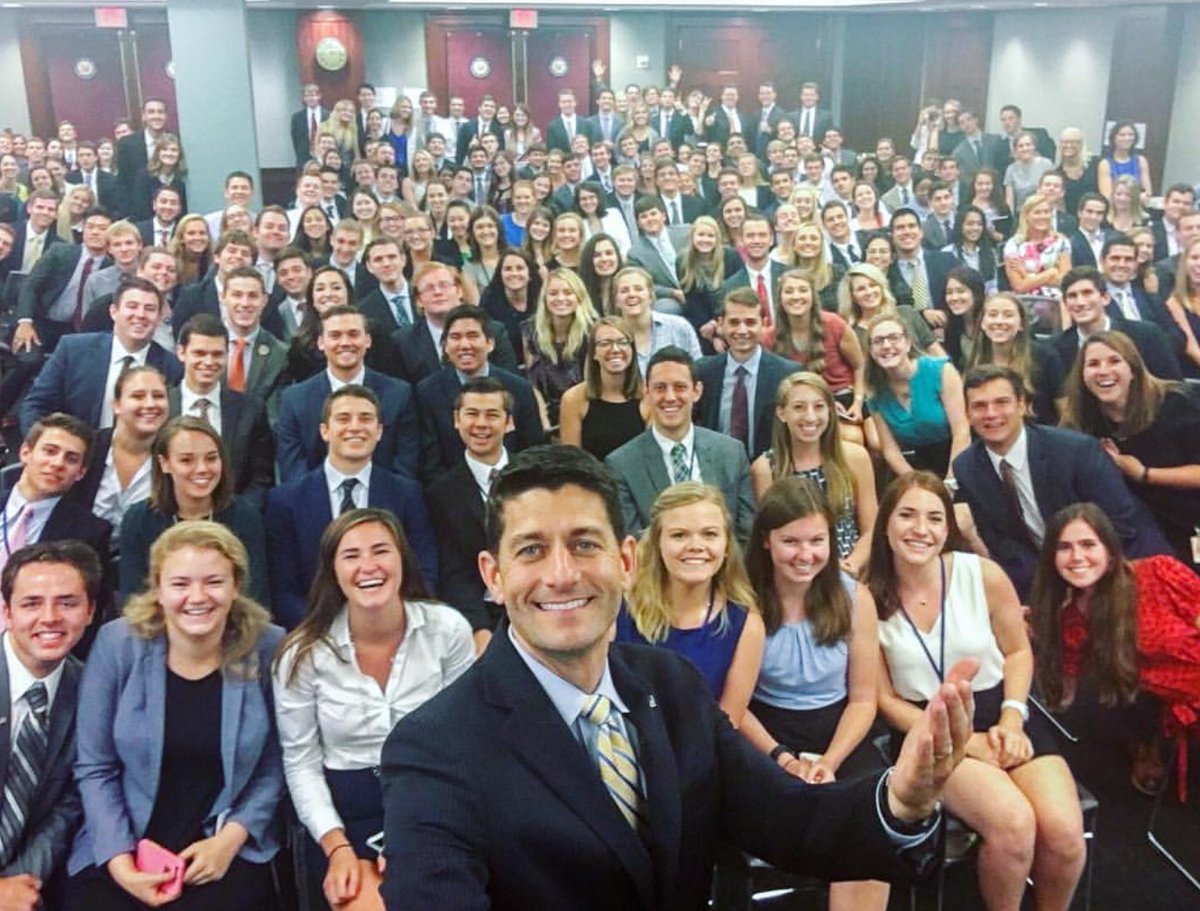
(557, 59)
(958, 53)
(478, 63)
(85, 79)
(881, 83)
(154, 69)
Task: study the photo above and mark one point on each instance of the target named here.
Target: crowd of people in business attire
(866, 415)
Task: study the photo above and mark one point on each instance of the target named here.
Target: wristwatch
(779, 750)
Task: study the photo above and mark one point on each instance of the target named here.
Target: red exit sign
(522, 18)
(111, 17)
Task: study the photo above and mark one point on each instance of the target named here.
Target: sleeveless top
(800, 674)
(968, 634)
(609, 425)
(845, 523)
(709, 647)
(837, 373)
(924, 421)
(1131, 168)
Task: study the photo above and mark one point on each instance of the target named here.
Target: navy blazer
(197, 297)
(772, 369)
(49, 279)
(1154, 312)
(55, 811)
(249, 446)
(14, 260)
(460, 524)
(122, 716)
(74, 376)
(741, 279)
(297, 515)
(1067, 467)
(417, 357)
(298, 444)
(441, 446)
(491, 802)
(1152, 343)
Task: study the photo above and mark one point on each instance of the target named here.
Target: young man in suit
(234, 250)
(845, 248)
(1085, 294)
(468, 341)
(293, 272)
(740, 384)
(134, 150)
(240, 420)
(1016, 476)
(344, 341)
(759, 272)
(239, 191)
(606, 124)
(1187, 229)
(977, 149)
(682, 209)
(1177, 201)
(257, 360)
(299, 511)
(563, 128)
(939, 226)
(656, 249)
(1053, 186)
(609, 774)
(725, 120)
(903, 193)
(673, 449)
(1129, 300)
(124, 246)
(475, 127)
(1088, 239)
(811, 119)
(306, 123)
(87, 173)
(389, 307)
(158, 230)
(33, 236)
(50, 593)
(344, 253)
(482, 417)
(919, 273)
(80, 376)
(768, 118)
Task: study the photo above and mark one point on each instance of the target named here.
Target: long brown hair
(881, 570)
(1111, 649)
(813, 354)
(839, 479)
(162, 485)
(1022, 351)
(826, 603)
(1146, 391)
(631, 388)
(325, 596)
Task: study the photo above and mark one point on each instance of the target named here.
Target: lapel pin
(653, 702)
(263, 350)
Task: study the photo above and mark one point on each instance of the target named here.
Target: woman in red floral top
(1134, 626)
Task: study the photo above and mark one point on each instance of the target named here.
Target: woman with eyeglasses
(606, 410)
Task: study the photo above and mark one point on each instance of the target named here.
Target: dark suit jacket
(993, 153)
(298, 513)
(74, 376)
(298, 444)
(718, 130)
(55, 811)
(491, 802)
(691, 207)
(821, 122)
(642, 474)
(417, 358)
(48, 279)
(556, 132)
(937, 267)
(139, 203)
(131, 163)
(771, 370)
(460, 525)
(1151, 342)
(146, 229)
(441, 446)
(197, 297)
(1067, 467)
(12, 262)
(246, 435)
(108, 189)
(618, 124)
(299, 132)
(469, 130)
(741, 279)
(1081, 250)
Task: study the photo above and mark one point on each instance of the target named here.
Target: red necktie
(764, 299)
(237, 368)
(739, 410)
(77, 316)
(312, 128)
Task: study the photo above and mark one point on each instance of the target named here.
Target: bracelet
(344, 844)
(1145, 474)
(779, 750)
(1021, 708)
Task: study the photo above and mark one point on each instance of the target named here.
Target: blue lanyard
(938, 668)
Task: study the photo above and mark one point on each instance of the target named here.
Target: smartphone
(154, 858)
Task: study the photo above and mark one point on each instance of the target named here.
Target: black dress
(609, 425)
(190, 780)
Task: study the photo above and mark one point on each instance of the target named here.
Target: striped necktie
(25, 766)
(618, 765)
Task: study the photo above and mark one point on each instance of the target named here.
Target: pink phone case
(154, 858)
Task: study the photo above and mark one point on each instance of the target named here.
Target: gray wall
(14, 109)
(1183, 148)
(631, 34)
(394, 43)
(275, 72)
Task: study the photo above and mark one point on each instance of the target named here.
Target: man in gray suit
(657, 250)
(673, 449)
(50, 591)
(977, 149)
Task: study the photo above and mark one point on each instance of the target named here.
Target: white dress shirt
(482, 471)
(20, 679)
(335, 716)
(335, 384)
(666, 444)
(750, 365)
(333, 482)
(188, 400)
(1018, 457)
(112, 500)
(115, 366)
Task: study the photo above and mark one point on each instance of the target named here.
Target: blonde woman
(1184, 304)
(342, 127)
(691, 594)
(863, 294)
(1127, 211)
(806, 443)
(161, 755)
(1078, 167)
(192, 247)
(75, 202)
(554, 338)
(566, 243)
(1036, 258)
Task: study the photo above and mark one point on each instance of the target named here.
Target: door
(478, 63)
(155, 70)
(557, 59)
(85, 76)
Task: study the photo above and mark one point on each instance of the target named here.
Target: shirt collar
(751, 363)
(335, 384)
(1017, 455)
(188, 398)
(119, 351)
(17, 502)
(569, 700)
(334, 478)
(481, 471)
(20, 678)
(666, 444)
(339, 629)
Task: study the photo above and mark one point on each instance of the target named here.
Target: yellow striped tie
(618, 765)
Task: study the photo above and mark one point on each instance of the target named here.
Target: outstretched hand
(934, 746)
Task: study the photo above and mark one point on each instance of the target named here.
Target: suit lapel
(5, 717)
(233, 694)
(231, 410)
(536, 734)
(174, 401)
(656, 470)
(1039, 469)
(62, 715)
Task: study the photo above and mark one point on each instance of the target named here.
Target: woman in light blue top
(814, 705)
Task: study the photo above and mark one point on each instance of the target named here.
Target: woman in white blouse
(371, 649)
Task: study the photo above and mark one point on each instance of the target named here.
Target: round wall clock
(331, 54)
(85, 68)
(480, 68)
(558, 66)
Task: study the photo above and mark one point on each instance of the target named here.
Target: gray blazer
(55, 811)
(122, 715)
(645, 254)
(642, 474)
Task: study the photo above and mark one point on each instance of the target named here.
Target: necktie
(569, 123)
(676, 217)
(33, 251)
(426, 126)
(24, 768)
(312, 127)
(920, 287)
(400, 311)
(946, 227)
(163, 237)
(347, 488)
(739, 411)
(852, 253)
(618, 765)
(18, 536)
(479, 194)
(331, 211)
(680, 470)
(77, 316)
(764, 299)
(806, 126)
(201, 406)
(90, 179)
(606, 182)
(904, 197)
(1008, 475)
(237, 368)
(606, 126)
(126, 363)
(978, 154)
(1129, 308)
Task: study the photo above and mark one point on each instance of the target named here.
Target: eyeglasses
(605, 344)
(893, 338)
(435, 286)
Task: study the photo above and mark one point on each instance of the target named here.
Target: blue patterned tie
(618, 765)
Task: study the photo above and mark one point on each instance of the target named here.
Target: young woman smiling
(1004, 338)
(554, 339)
(606, 410)
(515, 287)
